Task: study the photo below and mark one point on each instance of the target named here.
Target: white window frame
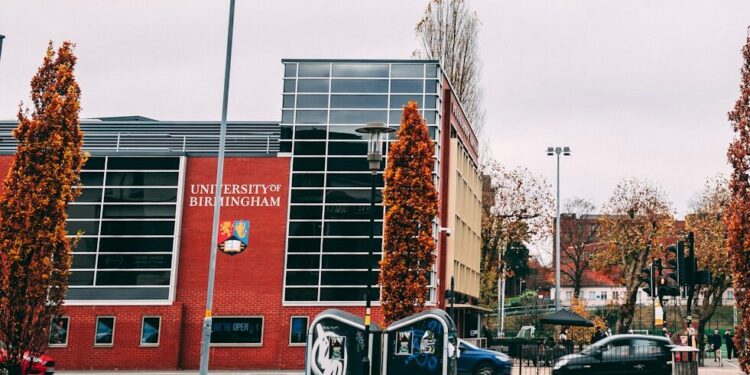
(96, 327)
(67, 333)
(307, 326)
(240, 345)
(158, 330)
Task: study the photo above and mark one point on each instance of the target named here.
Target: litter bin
(421, 344)
(336, 344)
(684, 360)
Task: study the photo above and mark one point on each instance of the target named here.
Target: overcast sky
(635, 88)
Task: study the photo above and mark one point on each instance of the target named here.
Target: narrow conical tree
(411, 201)
(738, 215)
(34, 250)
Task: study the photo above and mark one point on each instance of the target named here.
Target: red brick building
(139, 275)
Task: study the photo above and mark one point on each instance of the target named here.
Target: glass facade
(322, 106)
(126, 217)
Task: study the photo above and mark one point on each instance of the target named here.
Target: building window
(330, 193)
(150, 331)
(568, 295)
(105, 331)
(128, 218)
(730, 294)
(603, 295)
(237, 331)
(58, 331)
(615, 295)
(592, 295)
(298, 330)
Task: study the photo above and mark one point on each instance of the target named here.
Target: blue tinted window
(431, 71)
(407, 70)
(432, 87)
(360, 70)
(288, 101)
(289, 85)
(310, 132)
(359, 101)
(357, 117)
(430, 116)
(290, 70)
(287, 117)
(308, 164)
(345, 132)
(312, 85)
(399, 101)
(430, 101)
(407, 85)
(312, 101)
(311, 117)
(314, 69)
(359, 85)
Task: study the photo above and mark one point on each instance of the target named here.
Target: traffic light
(691, 265)
(647, 277)
(677, 263)
(666, 288)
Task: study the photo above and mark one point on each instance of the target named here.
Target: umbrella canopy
(566, 318)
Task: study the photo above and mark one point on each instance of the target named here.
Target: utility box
(336, 345)
(421, 344)
(684, 360)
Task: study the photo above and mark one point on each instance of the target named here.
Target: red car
(41, 365)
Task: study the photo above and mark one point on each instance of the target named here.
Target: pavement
(248, 372)
(727, 367)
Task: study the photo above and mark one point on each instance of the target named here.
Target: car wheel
(484, 369)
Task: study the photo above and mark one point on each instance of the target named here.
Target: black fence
(629, 357)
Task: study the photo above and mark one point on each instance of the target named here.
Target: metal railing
(164, 142)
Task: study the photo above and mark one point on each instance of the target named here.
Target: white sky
(636, 88)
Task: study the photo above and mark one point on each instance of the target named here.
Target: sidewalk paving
(145, 372)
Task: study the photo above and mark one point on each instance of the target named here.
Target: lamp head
(550, 151)
(376, 130)
(566, 151)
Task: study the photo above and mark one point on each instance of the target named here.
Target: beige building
(465, 242)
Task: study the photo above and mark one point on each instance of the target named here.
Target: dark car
(620, 354)
(477, 361)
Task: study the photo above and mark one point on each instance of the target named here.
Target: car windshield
(472, 346)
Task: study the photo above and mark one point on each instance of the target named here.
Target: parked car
(620, 354)
(477, 361)
(33, 365)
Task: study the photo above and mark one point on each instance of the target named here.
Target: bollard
(684, 360)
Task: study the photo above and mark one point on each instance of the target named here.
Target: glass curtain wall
(126, 217)
(328, 232)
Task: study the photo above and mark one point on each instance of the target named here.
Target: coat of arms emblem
(234, 236)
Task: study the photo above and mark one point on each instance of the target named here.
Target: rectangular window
(150, 328)
(312, 101)
(298, 330)
(105, 331)
(359, 85)
(360, 70)
(568, 295)
(615, 295)
(359, 101)
(407, 70)
(310, 69)
(58, 331)
(237, 331)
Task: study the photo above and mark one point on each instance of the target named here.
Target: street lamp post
(376, 131)
(552, 151)
(208, 320)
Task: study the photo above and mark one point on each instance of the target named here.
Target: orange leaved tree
(34, 250)
(411, 199)
(737, 217)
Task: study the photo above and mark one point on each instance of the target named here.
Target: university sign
(236, 195)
